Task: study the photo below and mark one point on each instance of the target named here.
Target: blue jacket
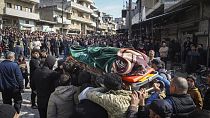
(10, 76)
(166, 82)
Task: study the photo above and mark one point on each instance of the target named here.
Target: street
(26, 110)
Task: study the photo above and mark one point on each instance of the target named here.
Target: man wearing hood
(45, 78)
(61, 102)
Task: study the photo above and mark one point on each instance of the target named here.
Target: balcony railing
(80, 19)
(81, 8)
(33, 1)
(94, 15)
(65, 21)
(103, 26)
(90, 1)
(93, 24)
(22, 14)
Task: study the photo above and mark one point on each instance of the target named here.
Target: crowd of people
(70, 91)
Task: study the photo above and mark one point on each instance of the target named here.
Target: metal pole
(130, 21)
(208, 44)
(62, 17)
(140, 19)
(152, 35)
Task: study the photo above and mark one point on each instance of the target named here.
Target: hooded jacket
(61, 102)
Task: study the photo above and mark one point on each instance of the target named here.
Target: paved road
(26, 110)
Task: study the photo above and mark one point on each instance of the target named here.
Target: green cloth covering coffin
(97, 57)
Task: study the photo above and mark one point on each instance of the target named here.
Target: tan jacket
(196, 96)
(115, 103)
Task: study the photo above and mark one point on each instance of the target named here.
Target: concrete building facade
(54, 14)
(1, 12)
(21, 14)
(67, 16)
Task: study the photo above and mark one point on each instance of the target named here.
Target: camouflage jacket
(115, 103)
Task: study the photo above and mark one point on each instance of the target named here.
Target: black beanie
(162, 108)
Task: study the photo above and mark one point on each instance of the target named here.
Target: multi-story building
(147, 13)
(111, 25)
(1, 12)
(81, 15)
(120, 23)
(56, 15)
(20, 13)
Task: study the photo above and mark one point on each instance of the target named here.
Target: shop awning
(165, 15)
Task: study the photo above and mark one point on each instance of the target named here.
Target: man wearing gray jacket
(61, 103)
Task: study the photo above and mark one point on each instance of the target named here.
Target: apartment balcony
(103, 26)
(94, 15)
(81, 8)
(89, 1)
(93, 24)
(31, 1)
(22, 14)
(65, 21)
(81, 19)
(156, 6)
(168, 4)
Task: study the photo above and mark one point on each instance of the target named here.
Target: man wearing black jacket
(11, 82)
(33, 64)
(45, 84)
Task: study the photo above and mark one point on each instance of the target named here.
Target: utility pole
(130, 21)
(62, 17)
(140, 19)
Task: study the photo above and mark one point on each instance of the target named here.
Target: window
(9, 5)
(18, 7)
(27, 21)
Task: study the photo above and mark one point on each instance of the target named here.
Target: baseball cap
(161, 108)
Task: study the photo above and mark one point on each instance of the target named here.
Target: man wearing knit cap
(194, 92)
(45, 78)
